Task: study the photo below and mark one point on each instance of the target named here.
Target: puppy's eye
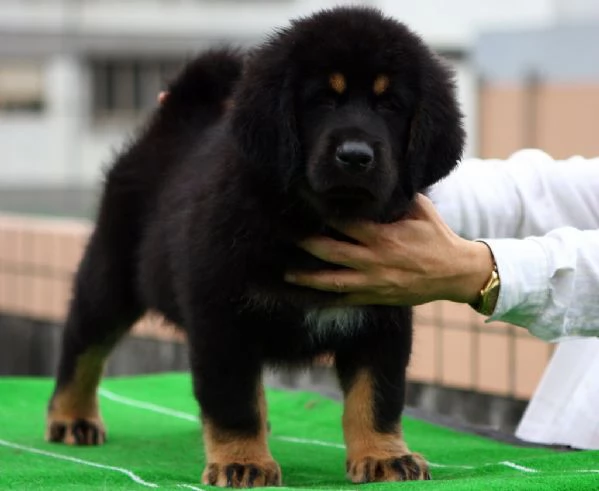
(318, 94)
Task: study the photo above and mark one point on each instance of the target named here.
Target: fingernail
(290, 277)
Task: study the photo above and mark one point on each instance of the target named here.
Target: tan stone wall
(452, 348)
(37, 260)
(561, 119)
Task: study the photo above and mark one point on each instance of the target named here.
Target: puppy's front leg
(372, 373)
(227, 375)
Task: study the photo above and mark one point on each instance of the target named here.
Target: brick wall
(561, 119)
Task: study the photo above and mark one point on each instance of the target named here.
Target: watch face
(490, 295)
(487, 300)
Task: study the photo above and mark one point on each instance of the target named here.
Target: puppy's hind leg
(103, 308)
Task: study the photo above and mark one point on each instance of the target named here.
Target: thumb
(422, 208)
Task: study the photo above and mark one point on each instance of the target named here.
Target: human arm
(550, 283)
(550, 278)
(527, 194)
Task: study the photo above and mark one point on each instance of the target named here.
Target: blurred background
(78, 76)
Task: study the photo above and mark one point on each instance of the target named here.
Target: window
(128, 87)
(21, 87)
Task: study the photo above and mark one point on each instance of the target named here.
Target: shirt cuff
(523, 270)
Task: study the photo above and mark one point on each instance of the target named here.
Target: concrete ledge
(31, 348)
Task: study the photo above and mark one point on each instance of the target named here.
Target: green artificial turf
(154, 441)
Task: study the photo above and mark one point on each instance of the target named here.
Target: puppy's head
(351, 111)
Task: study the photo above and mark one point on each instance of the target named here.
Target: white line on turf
(305, 441)
(517, 467)
(127, 472)
(450, 466)
(147, 405)
(189, 486)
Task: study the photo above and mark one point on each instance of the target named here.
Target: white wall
(458, 22)
(24, 149)
(48, 148)
(466, 81)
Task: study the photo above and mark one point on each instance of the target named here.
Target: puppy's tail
(203, 88)
(196, 99)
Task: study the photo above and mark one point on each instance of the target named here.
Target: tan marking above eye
(380, 85)
(337, 82)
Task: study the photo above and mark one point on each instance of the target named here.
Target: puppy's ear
(436, 138)
(263, 116)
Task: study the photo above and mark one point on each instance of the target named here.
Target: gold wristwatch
(487, 298)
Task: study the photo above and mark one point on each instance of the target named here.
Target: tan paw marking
(410, 467)
(81, 431)
(247, 475)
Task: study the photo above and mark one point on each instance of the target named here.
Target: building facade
(77, 76)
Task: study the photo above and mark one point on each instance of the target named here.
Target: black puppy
(344, 115)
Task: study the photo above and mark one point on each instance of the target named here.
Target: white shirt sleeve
(540, 217)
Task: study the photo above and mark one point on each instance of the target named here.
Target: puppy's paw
(409, 467)
(247, 475)
(80, 431)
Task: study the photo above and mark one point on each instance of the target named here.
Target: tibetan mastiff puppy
(344, 115)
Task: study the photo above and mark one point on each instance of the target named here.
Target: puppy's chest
(324, 322)
(318, 321)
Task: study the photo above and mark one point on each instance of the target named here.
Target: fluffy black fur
(200, 215)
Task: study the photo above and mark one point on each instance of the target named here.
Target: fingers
(337, 252)
(329, 281)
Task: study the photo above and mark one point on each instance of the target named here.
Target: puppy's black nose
(355, 156)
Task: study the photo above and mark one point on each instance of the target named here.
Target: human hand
(416, 260)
